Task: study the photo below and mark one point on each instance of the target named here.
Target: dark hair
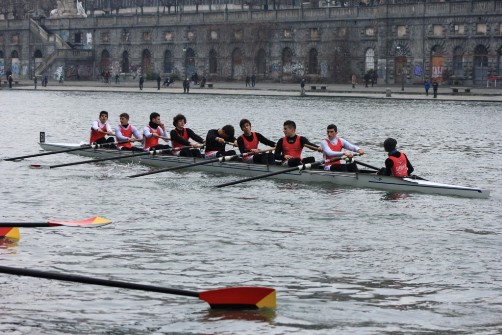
(103, 112)
(154, 115)
(332, 126)
(243, 123)
(125, 115)
(389, 144)
(290, 123)
(178, 118)
(229, 130)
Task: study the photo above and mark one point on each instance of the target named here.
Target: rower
(128, 133)
(153, 132)
(333, 146)
(248, 142)
(180, 136)
(397, 164)
(99, 129)
(216, 140)
(289, 148)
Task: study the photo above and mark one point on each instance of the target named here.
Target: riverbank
(380, 91)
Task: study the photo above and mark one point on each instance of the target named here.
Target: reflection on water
(264, 314)
(395, 196)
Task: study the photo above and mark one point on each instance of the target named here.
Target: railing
(65, 54)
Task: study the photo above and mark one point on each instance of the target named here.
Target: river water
(346, 261)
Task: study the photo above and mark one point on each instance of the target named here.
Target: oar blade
(243, 297)
(10, 233)
(95, 221)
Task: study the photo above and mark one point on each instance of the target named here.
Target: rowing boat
(362, 179)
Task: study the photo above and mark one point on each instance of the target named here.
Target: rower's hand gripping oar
(153, 152)
(232, 297)
(208, 161)
(299, 168)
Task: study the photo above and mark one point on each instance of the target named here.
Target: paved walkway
(414, 92)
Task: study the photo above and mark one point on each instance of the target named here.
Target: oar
(154, 152)
(95, 221)
(82, 147)
(367, 165)
(244, 297)
(299, 168)
(208, 161)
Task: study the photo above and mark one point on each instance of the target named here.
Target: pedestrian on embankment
(427, 86)
(435, 86)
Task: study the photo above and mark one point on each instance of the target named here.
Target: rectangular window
(168, 36)
(481, 28)
(213, 35)
(287, 33)
(401, 31)
(342, 32)
(191, 35)
(105, 37)
(238, 35)
(370, 31)
(438, 30)
(1, 39)
(459, 29)
(314, 33)
(14, 39)
(147, 36)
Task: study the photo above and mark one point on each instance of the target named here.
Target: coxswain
(151, 134)
(126, 134)
(216, 139)
(99, 129)
(397, 164)
(248, 142)
(180, 137)
(289, 148)
(332, 147)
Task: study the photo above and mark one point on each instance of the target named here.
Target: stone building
(404, 43)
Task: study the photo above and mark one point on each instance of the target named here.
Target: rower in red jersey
(153, 132)
(289, 148)
(99, 129)
(397, 164)
(180, 137)
(127, 133)
(248, 142)
(333, 146)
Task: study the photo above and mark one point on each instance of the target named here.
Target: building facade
(458, 42)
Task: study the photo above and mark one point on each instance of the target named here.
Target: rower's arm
(278, 151)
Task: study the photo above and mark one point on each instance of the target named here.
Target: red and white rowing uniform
(400, 166)
(338, 146)
(95, 135)
(292, 149)
(249, 145)
(152, 141)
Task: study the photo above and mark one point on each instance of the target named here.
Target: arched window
(106, 62)
(480, 64)
(1, 54)
(458, 62)
(261, 62)
(313, 63)
(189, 62)
(14, 54)
(38, 54)
(146, 63)
(168, 65)
(500, 61)
(287, 57)
(236, 63)
(437, 63)
(369, 60)
(213, 61)
(125, 62)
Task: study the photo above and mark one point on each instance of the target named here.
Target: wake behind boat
(362, 179)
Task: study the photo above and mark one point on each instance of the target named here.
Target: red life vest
(152, 141)
(400, 166)
(334, 147)
(292, 149)
(248, 145)
(184, 136)
(95, 135)
(126, 132)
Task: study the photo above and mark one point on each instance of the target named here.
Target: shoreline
(415, 92)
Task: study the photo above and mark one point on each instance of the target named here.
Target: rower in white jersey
(126, 134)
(99, 129)
(333, 146)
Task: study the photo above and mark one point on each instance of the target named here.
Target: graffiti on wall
(2, 68)
(58, 73)
(15, 67)
(274, 70)
(324, 69)
(116, 68)
(295, 69)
